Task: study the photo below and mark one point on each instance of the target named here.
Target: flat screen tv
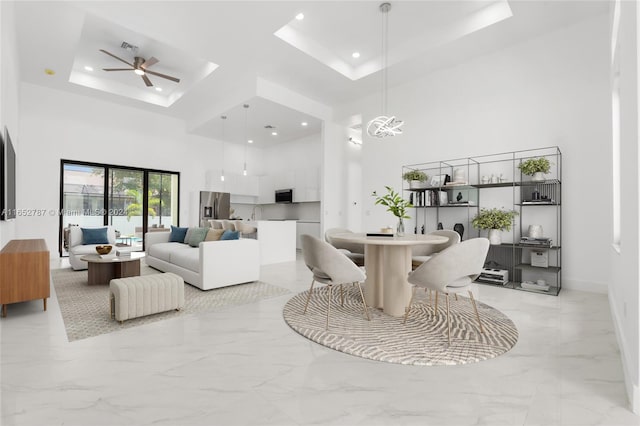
(8, 196)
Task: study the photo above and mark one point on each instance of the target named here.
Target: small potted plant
(495, 220)
(416, 179)
(535, 167)
(396, 205)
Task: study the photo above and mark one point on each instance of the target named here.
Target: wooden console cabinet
(24, 272)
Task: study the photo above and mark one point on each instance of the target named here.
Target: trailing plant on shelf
(494, 219)
(535, 165)
(415, 175)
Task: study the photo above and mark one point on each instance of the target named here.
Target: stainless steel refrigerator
(214, 205)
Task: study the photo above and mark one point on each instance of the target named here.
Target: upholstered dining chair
(422, 253)
(215, 224)
(353, 251)
(247, 231)
(452, 271)
(330, 267)
(228, 225)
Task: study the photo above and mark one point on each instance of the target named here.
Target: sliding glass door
(132, 200)
(82, 197)
(162, 199)
(126, 189)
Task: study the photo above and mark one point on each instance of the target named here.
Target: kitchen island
(277, 240)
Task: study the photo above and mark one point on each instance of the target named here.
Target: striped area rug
(86, 310)
(421, 341)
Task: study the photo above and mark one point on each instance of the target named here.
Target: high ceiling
(219, 49)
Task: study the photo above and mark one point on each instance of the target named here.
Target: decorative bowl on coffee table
(103, 249)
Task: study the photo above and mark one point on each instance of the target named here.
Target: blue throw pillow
(230, 235)
(177, 234)
(94, 236)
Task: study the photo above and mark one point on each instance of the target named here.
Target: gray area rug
(86, 311)
(421, 341)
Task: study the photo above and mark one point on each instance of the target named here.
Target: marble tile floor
(244, 366)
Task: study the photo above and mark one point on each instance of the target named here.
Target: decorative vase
(537, 177)
(495, 238)
(400, 230)
(535, 231)
(459, 228)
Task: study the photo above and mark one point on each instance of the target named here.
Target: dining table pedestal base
(386, 285)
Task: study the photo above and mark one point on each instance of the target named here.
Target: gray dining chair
(451, 271)
(330, 267)
(354, 251)
(422, 253)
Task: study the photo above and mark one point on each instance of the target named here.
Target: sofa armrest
(151, 238)
(229, 262)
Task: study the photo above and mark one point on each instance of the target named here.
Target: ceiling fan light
(139, 72)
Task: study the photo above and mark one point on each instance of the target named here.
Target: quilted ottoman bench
(135, 297)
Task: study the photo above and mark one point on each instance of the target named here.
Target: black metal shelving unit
(495, 181)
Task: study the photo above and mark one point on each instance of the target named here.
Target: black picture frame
(2, 177)
(8, 208)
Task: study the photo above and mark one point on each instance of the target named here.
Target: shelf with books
(497, 181)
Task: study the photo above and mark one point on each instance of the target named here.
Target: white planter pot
(537, 177)
(495, 237)
(416, 184)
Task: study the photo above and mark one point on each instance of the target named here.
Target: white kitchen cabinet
(266, 193)
(307, 185)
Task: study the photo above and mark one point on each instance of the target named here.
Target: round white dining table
(388, 262)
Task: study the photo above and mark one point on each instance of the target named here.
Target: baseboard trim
(589, 286)
(633, 391)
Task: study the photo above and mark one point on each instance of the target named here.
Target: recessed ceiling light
(274, 133)
(88, 68)
(355, 55)
(250, 141)
(139, 72)
(300, 16)
(49, 71)
(158, 89)
(304, 123)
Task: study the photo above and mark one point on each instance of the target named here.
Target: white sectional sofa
(212, 264)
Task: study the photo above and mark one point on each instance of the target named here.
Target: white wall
(550, 90)
(9, 97)
(302, 154)
(624, 297)
(56, 125)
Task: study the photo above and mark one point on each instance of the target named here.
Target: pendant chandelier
(223, 117)
(245, 142)
(384, 125)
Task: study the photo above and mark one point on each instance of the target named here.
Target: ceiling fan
(140, 66)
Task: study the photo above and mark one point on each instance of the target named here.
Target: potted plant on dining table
(396, 205)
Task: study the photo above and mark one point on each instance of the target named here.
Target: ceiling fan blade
(117, 69)
(114, 56)
(149, 62)
(146, 80)
(168, 77)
